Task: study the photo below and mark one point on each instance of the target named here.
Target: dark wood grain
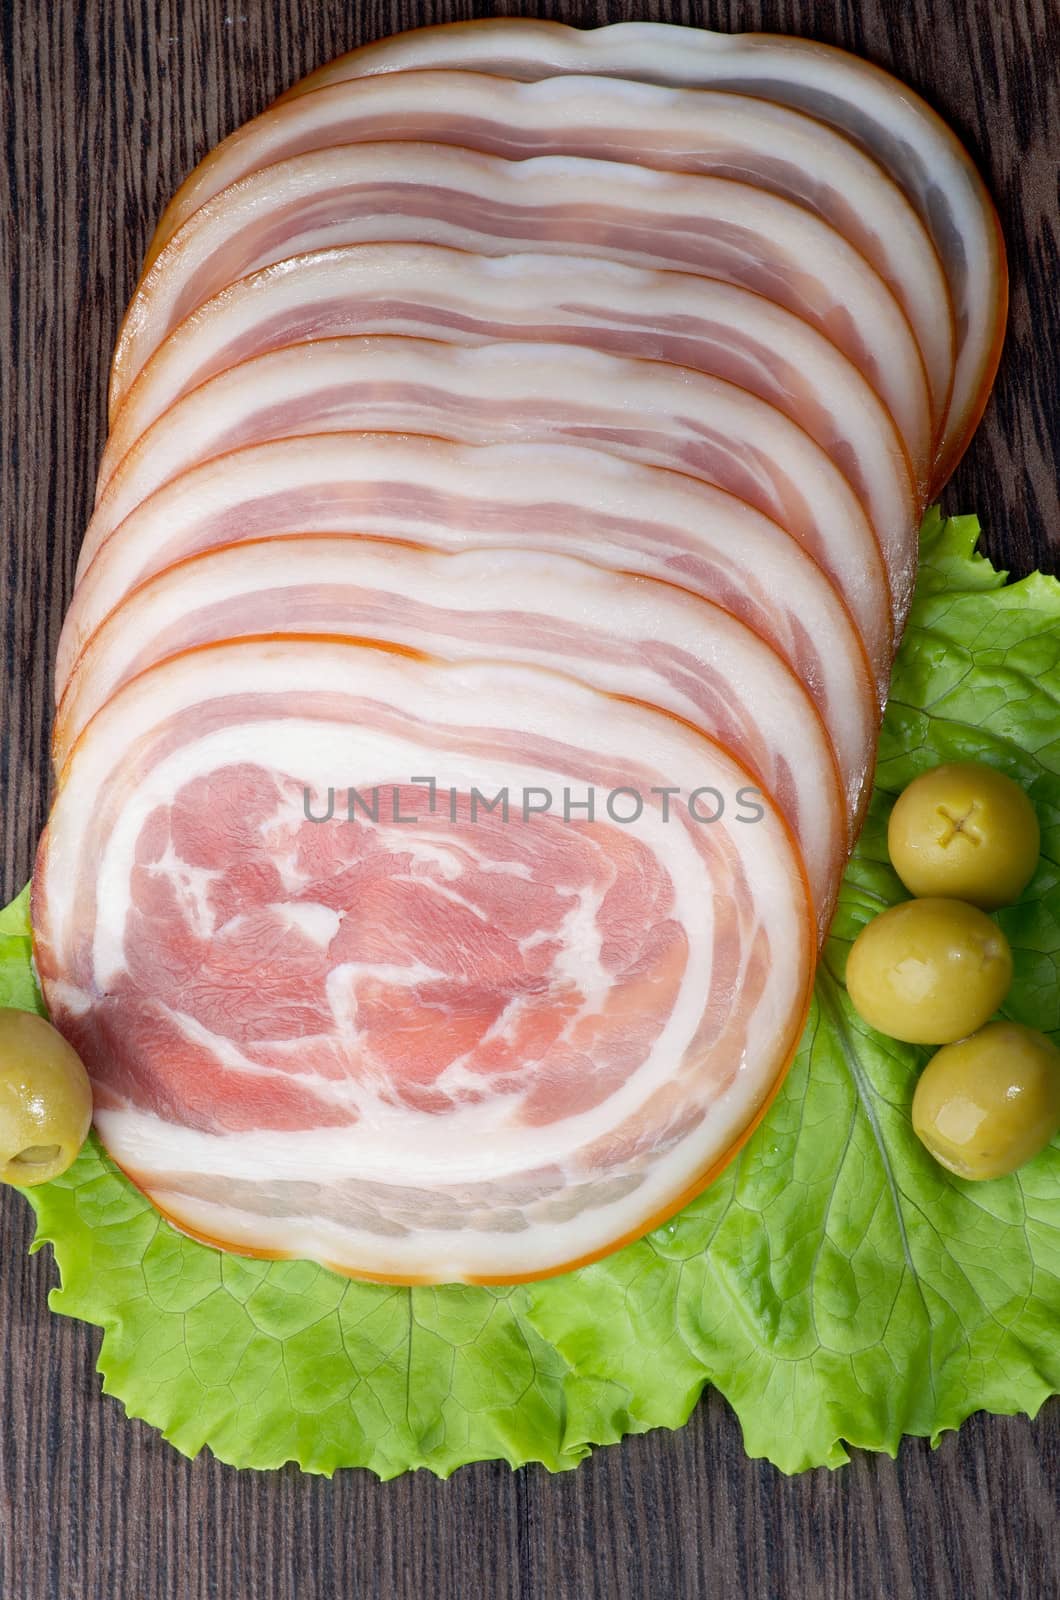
(104, 108)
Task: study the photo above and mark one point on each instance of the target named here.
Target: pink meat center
(418, 957)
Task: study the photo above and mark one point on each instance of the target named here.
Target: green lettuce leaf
(18, 983)
(835, 1284)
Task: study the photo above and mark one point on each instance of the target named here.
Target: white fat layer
(660, 518)
(841, 281)
(375, 584)
(69, 998)
(192, 885)
(893, 127)
(149, 1146)
(579, 960)
(525, 288)
(319, 923)
(652, 402)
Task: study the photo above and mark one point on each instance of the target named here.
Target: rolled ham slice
(420, 193)
(630, 636)
(644, 411)
(865, 103)
(528, 1042)
(561, 498)
(430, 291)
(724, 135)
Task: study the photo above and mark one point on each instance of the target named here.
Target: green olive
(986, 1105)
(929, 971)
(967, 832)
(45, 1100)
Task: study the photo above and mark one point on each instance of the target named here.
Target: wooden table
(104, 107)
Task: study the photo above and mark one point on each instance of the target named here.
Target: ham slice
(630, 636)
(531, 1041)
(560, 498)
(724, 135)
(432, 194)
(644, 411)
(430, 291)
(885, 117)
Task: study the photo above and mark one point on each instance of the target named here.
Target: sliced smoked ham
(432, 1050)
(434, 194)
(434, 292)
(630, 636)
(723, 135)
(470, 691)
(559, 498)
(896, 127)
(643, 411)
